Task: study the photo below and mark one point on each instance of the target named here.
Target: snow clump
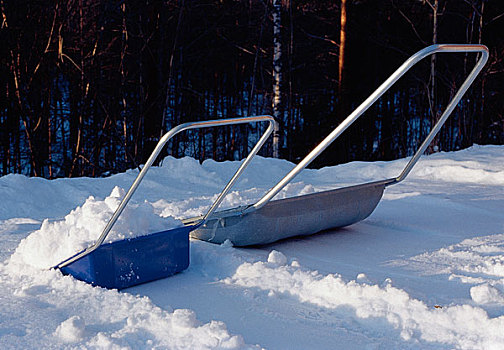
(59, 240)
(71, 330)
(277, 258)
(486, 294)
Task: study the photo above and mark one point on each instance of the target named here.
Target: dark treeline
(88, 86)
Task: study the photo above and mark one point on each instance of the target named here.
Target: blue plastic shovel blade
(129, 262)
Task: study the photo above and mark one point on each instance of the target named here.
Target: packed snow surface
(425, 270)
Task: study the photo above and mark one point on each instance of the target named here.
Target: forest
(87, 87)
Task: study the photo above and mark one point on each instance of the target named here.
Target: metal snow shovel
(271, 220)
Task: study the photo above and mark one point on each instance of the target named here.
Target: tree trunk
(343, 103)
(433, 57)
(169, 82)
(432, 96)
(124, 47)
(342, 46)
(277, 75)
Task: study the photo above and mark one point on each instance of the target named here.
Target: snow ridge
(103, 319)
(462, 326)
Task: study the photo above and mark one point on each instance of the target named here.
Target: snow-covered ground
(425, 270)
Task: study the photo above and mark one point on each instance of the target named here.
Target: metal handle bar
(153, 157)
(372, 98)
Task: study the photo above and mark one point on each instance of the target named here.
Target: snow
(71, 330)
(425, 270)
(59, 240)
(47, 310)
(277, 258)
(454, 325)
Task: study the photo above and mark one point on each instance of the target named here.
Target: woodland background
(88, 86)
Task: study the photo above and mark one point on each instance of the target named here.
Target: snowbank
(66, 313)
(58, 240)
(462, 326)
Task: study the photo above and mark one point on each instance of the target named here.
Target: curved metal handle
(453, 103)
(153, 157)
(364, 106)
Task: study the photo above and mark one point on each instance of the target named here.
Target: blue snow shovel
(129, 262)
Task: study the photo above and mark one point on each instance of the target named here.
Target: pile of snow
(462, 326)
(461, 172)
(58, 240)
(66, 313)
(487, 294)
